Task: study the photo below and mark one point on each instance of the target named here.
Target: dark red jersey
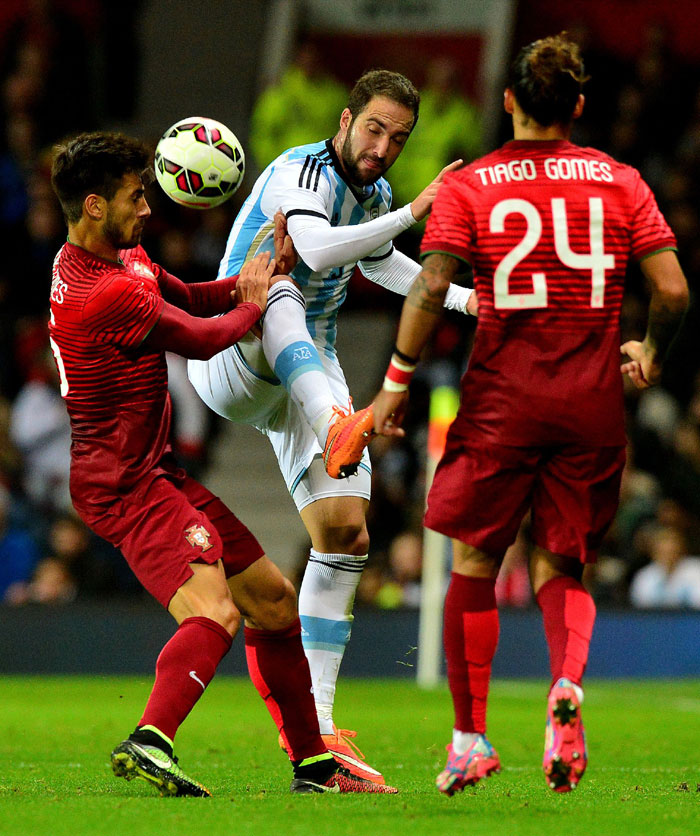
(548, 228)
(115, 391)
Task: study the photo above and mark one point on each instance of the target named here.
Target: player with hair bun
(548, 228)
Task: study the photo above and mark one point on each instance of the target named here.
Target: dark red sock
(568, 613)
(470, 637)
(185, 667)
(280, 671)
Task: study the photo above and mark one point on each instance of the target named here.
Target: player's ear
(94, 206)
(578, 110)
(508, 100)
(345, 119)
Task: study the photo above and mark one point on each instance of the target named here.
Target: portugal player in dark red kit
(113, 315)
(548, 228)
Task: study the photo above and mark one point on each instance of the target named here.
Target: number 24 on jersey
(597, 261)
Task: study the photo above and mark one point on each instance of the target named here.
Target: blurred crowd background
(643, 109)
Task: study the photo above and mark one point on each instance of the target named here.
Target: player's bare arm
(669, 300)
(419, 317)
(254, 280)
(427, 293)
(424, 202)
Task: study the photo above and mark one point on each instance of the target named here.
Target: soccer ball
(199, 162)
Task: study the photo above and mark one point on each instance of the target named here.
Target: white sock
(292, 355)
(325, 607)
(462, 740)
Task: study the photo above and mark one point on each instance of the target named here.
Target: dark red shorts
(166, 524)
(482, 491)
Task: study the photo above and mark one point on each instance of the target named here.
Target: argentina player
(289, 384)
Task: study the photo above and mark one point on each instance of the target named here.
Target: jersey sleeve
(397, 272)
(649, 231)
(450, 228)
(121, 310)
(298, 187)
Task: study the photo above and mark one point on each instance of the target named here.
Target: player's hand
(642, 367)
(254, 281)
(473, 304)
(389, 411)
(286, 257)
(423, 203)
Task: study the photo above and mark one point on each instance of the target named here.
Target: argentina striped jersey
(306, 180)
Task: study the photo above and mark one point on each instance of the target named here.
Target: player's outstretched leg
(348, 435)
(330, 776)
(565, 755)
(461, 770)
(132, 759)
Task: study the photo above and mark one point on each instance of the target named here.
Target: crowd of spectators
(650, 118)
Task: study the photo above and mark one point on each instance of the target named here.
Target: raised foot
(348, 436)
(565, 755)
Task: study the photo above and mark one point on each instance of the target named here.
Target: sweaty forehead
(392, 115)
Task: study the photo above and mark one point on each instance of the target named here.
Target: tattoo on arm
(428, 290)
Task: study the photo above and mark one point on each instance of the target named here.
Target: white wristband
(392, 386)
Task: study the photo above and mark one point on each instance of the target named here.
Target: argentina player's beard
(351, 164)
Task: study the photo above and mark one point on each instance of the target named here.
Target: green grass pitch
(56, 735)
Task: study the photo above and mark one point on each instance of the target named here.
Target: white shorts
(239, 385)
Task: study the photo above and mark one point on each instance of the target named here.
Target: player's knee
(545, 566)
(277, 610)
(469, 561)
(206, 595)
(221, 611)
(226, 614)
(350, 538)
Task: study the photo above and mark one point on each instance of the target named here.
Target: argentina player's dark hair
(547, 77)
(95, 163)
(387, 83)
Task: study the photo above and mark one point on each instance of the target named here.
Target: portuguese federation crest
(197, 535)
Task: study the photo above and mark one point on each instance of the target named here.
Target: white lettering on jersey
(555, 168)
(512, 171)
(58, 286)
(575, 168)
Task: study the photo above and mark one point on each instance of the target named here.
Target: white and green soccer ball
(199, 162)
